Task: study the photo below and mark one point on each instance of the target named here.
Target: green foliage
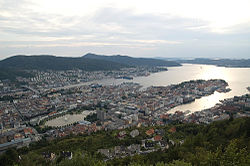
(47, 62)
(32, 159)
(126, 60)
(234, 155)
(43, 129)
(179, 163)
(91, 117)
(11, 73)
(80, 159)
(223, 143)
(9, 157)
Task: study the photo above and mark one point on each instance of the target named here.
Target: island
(241, 63)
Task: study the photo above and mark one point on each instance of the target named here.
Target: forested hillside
(126, 60)
(48, 62)
(220, 143)
(17, 66)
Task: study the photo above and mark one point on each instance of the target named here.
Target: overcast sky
(139, 28)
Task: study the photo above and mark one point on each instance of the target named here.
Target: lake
(237, 78)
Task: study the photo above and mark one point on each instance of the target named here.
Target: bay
(237, 78)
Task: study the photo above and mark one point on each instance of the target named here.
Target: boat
(127, 78)
(124, 77)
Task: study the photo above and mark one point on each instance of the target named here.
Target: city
(29, 115)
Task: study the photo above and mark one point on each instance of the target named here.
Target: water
(237, 78)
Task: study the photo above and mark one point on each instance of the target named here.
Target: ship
(127, 78)
(124, 77)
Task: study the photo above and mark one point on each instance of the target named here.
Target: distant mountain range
(16, 65)
(48, 62)
(219, 62)
(126, 60)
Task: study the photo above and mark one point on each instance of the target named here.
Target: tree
(9, 157)
(179, 163)
(234, 155)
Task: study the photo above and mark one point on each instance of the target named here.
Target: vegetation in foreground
(220, 143)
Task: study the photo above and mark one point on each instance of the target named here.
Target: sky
(138, 28)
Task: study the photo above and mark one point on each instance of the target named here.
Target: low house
(181, 142)
(164, 144)
(67, 154)
(18, 136)
(134, 148)
(150, 132)
(49, 156)
(172, 142)
(134, 133)
(160, 132)
(172, 130)
(104, 152)
(27, 131)
(117, 150)
(121, 134)
(157, 138)
(149, 144)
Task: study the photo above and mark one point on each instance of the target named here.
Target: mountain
(15, 66)
(126, 60)
(219, 62)
(11, 74)
(48, 62)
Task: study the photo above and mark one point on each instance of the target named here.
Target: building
(15, 143)
(101, 115)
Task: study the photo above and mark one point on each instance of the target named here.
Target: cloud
(23, 29)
